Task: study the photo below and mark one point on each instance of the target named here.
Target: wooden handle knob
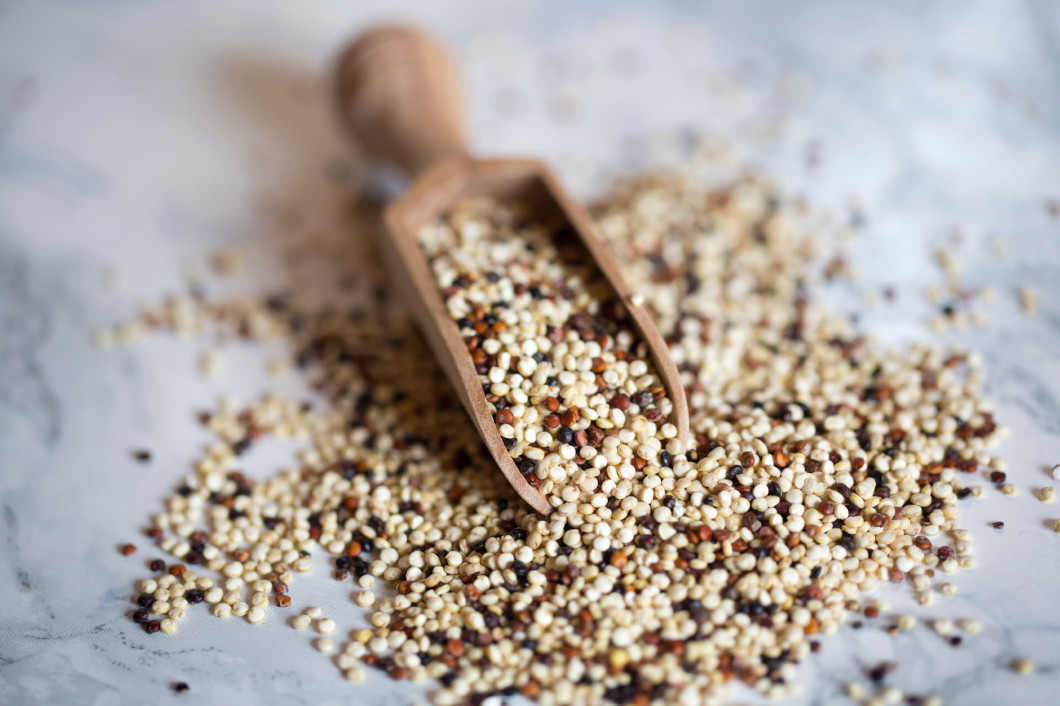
(399, 97)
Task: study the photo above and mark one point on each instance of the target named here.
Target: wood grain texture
(397, 96)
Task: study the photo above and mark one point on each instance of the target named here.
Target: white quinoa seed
(325, 626)
(891, 695)
(210, 364)
(943, 626)
(256, 615)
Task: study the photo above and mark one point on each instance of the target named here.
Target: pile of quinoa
(818, 466)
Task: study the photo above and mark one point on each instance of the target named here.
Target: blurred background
(138, 138)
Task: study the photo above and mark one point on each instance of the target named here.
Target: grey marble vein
(25, 321)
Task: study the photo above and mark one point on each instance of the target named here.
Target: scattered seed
(942, 626)
(891, 695)
(1029, 301)
(881, 670)
(1023, 666)
(210, 364)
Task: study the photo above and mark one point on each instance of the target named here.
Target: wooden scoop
(399, 97)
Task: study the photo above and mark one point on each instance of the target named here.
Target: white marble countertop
(143, 135)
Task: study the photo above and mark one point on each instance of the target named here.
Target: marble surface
(145, 134)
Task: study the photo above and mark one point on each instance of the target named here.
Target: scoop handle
(399, 97)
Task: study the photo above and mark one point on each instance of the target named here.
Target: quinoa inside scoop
(574, 397)
(819, 466)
